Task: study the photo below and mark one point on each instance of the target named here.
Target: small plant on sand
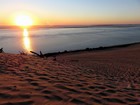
(22, 53)
(39, 55)
(1, 50)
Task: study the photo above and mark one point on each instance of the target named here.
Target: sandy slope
(87, 78)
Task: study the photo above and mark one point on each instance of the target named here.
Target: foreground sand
(110, 77)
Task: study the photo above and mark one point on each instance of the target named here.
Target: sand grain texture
(110, 77)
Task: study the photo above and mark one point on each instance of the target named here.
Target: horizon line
(70, 26)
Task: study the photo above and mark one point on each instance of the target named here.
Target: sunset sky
(71, 12)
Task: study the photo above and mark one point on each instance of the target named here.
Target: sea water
(59, 39)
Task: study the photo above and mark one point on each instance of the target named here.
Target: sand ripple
(89, 78)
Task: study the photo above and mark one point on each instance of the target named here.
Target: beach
(102, 77)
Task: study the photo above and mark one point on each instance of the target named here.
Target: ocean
(59, 39)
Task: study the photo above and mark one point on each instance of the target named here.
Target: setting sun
(23, 20)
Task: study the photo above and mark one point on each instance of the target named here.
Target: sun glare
(26, 40)
(24, 21)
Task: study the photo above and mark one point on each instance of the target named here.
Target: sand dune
(110, 77)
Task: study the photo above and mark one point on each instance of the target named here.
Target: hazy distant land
(73, 26)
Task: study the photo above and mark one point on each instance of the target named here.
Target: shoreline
(101, 48)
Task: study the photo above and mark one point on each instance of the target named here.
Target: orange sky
(71, 12)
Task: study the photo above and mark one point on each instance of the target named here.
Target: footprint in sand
(111, 91)
(103, 94)
(78, 102)
(5, 95)
(131, 100)
(19, 103)
(47, 92)
(43, 78)
(67, 89)
(34, 84)
(53, 97)
(94, 100)
(114, 100)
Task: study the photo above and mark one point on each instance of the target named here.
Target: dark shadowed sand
(109, 77)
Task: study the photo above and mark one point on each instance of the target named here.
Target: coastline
(72, 26)
(43, 38)
(100, 76)
(101, 48)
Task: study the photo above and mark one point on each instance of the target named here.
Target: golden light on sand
(23, 20)
(26, 40)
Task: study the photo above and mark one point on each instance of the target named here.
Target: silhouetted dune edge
(91, 49)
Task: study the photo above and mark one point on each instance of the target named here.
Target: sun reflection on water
(26, 41)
